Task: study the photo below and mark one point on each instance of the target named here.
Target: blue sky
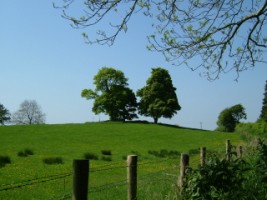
(43, 58)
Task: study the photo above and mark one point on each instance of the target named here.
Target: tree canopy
(111, 95)
(220, 35)
(4, 114)
(158, 97)
(29, 113)
(263, 115)
(230, 117)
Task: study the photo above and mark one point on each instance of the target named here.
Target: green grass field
(32, 179)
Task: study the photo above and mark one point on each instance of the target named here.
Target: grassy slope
(71, 141)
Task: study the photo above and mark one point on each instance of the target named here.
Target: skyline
(44, 59)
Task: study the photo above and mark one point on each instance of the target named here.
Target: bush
(53, 160)
(90, 156)
(248, 131)
(235, 179)
(106, 152)
(4, 160)
(25, 153)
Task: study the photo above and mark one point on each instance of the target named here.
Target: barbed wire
(25, 183)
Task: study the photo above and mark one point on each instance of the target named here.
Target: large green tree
(4, 114)
(221, 35)
(263, 115)
(230, 117)
(158, 97)
(111, 95)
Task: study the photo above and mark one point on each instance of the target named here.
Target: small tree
(4, 115)
(112, 96)
(158, 97)
(263, 115)
(230, 117)
(29, 113)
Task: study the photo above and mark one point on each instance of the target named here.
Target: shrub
(248, 131)
(221, 179)
(53, 160)
(106, 152)
(4, 160)
(90, 156)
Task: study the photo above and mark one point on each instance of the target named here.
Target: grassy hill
(72, 141)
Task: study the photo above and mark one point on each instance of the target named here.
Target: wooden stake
(132, 177)
(80, 179)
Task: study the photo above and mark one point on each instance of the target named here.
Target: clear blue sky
(43, 58)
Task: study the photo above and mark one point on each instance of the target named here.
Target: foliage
(230, 117)
(4, 160)
(250, 131)
(240, 178)
(218, 179)
(29, 113)
(208, 31)
(263, 115)
(111, 95)
(4, 115)
(158, 97)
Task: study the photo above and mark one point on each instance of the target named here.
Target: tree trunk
(155, 120)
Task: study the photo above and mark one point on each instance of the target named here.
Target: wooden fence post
(203, 156)
(228, 150)
(184, 163)
(80, 179)
(132, 177)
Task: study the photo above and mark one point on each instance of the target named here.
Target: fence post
(80, 179)
(132, 177)
(228, 150)
(184, 163)
(203, 156)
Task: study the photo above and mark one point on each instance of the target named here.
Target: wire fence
(104, 181)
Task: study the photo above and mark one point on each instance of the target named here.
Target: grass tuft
(25, 153)
(4, 160)
(53, 160)
(106, 152)
(90, 156)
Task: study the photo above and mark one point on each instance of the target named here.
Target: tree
(111, 95)
(158, 97)
(29, 113)
(4, 115)
(263, 115)
(221, 35)
(230, 117)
